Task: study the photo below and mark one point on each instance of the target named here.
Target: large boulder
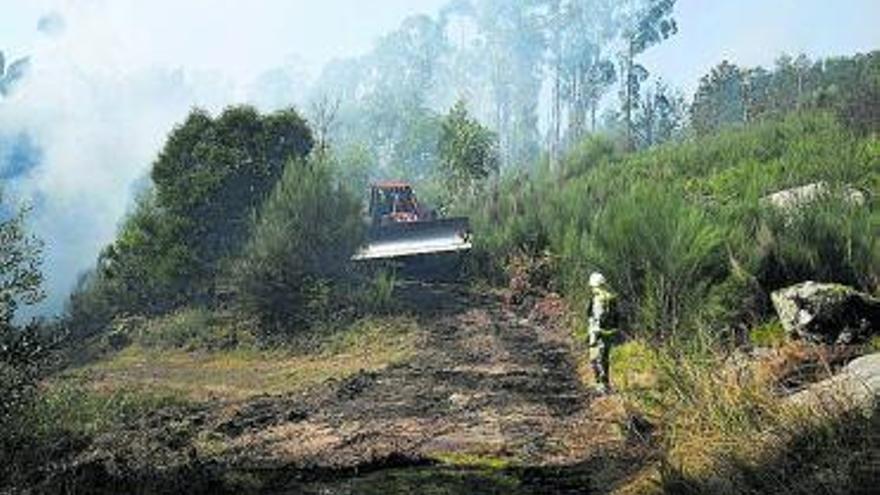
(856, 385)
(827, 313)
(796, 197)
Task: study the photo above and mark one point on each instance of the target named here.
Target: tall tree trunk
(557, 117)
(593, 104)
(628, 103)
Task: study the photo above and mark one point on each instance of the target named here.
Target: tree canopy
(468, 150)
(208, 185)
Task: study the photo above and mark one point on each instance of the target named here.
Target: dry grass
(723, 427)
(243, 373)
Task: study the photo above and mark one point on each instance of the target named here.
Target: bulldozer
(400, 227)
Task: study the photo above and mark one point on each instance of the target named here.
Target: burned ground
(490, 402)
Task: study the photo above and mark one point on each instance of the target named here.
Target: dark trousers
(600, 363)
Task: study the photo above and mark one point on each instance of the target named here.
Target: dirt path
(487, 387)
(485, 382)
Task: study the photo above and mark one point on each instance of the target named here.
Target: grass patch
(66, 407)
(235, 374)
(722, 428)
(634, 365)
(769, 334)
(192, 329)
(470, 460)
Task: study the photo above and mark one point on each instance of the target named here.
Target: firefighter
(601, 313)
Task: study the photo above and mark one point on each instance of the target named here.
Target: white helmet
(597, 279)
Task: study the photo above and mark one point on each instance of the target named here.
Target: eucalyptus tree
(514, 50)
(385, 97)
(467, 149)
(660, 117)
(642, 23)
(588, 68)
(720, 99)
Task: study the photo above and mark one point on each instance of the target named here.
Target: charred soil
(492, 401)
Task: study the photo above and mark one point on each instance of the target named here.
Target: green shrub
(588, 154)
(829, 240)
(290, 273)
(211, 176)
(660, 253)
(770, 334)
(191, 329)
(682, 230)
(633, 365)
(378, 295)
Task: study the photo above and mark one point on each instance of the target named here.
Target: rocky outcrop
(796, 197)
(827, 313)
(857, 385)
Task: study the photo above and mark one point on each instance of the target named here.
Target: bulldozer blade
(416, 238)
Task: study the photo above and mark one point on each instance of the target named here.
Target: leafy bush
(290, 273)
(191, 329)
(660, 253)
(588, 154)
(507, 222)
(208, 182)
(468, 151)
(24, 359)
(682, 231)
(829, 240)
(378, 295)
(770, 334)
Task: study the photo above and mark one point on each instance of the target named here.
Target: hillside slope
(488, 394)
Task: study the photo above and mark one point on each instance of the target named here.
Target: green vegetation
(378, 296)
(243, 372)
(488, 463)
(230, 277)
(208, 182)
(190, 329)
(770, 334)
(468, 153)
(687, 236)
(70, 408)
(290, 272)
(682, 230)
(23, 351)
(723, 430)
(730, 95)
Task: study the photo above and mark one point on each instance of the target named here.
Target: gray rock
(797, 197)
(857, 385)
(827, 313)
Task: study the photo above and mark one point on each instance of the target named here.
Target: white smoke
(110, 78)
(99, 121)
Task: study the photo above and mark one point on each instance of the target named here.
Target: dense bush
(191, 329)
(682, 230)
(210, 179)
(22, 350)
(660, 253)
(289, 274)
(830, 239)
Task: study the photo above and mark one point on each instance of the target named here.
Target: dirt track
(486, 385)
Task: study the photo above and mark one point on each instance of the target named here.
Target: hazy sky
(241, 39)
(109, 79)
